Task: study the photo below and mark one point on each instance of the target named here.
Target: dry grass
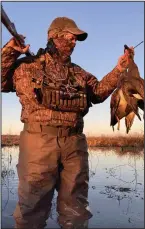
(93, 141)
(113, 141)
(10, 140)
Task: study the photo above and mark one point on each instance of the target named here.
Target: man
(55, 95)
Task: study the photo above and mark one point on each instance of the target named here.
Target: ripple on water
(116, 187)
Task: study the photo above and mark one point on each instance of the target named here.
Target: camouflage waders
(42, 150)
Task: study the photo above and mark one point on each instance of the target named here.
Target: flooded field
(116, 188)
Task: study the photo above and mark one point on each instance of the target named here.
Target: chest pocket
(59, 98)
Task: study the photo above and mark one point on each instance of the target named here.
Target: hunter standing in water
(55, 95)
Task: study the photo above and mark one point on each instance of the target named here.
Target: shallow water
(116, 188)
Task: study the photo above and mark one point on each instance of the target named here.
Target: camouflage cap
(68, 25)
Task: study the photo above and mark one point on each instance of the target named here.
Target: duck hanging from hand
(127, 98)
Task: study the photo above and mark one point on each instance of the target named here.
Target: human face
(70, 37)
(65, 43)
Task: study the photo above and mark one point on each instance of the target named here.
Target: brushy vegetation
(113, 141)
(136, 140)
(10, 140)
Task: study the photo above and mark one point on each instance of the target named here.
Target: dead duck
(132, 86)
(120, 109)
(127, 98)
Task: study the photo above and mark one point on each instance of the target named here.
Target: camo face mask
(65, 47)
(65, 44)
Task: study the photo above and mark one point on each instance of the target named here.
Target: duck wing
(137, 82)
(114, 103)
(130, 94)
(129, 121)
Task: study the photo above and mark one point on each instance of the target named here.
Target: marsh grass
(136, 140)
(10, 140)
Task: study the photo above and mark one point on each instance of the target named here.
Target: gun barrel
(6, 21)
(11, 28)
(138, 44)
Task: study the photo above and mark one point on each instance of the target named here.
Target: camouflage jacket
(17, 77)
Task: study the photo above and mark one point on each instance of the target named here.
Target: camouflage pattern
(53, 149)
(64, 24)
(17, 76)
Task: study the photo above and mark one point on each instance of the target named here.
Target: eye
(70, 37)
(74, 38)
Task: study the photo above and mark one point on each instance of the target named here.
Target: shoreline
(93, 141)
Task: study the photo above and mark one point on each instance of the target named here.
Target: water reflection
(116, 188)
(8, 174)
(117, 191)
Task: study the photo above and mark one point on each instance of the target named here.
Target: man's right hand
(16, 45)
(125, 59)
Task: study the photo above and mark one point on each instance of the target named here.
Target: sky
(109, 25)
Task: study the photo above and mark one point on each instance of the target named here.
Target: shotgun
(11, 28)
